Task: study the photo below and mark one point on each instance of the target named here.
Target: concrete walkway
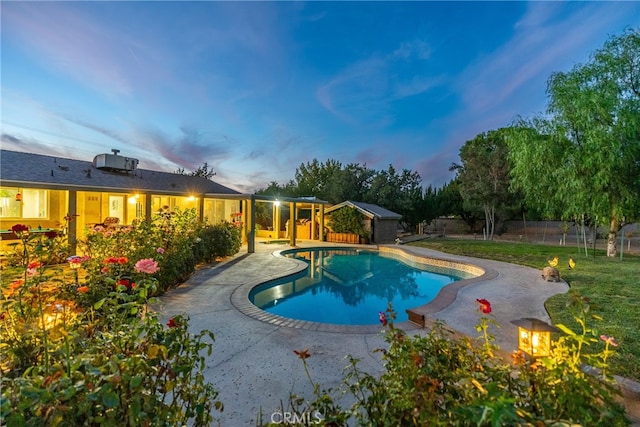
(253, 365)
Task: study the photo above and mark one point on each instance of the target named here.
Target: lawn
(612, 285)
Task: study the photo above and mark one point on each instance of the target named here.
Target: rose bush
(86, 350)
(444, 379)
(177, 243)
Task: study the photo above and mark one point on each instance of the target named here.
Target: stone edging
(449, 293)
(446, 296)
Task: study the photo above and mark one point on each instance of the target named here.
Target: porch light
(134, 198)
(18, 197)
(534, 336)
(276, 203)
(192, 198)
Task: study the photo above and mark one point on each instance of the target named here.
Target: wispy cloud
(11, 139)
(418, 49)
(101, 129)
(542, 40)
(507, 82)
(363, 92)
(63, 39)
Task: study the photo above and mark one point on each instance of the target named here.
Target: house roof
(366, 209)
(39, 171)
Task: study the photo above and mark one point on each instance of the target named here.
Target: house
(381, 223)
(71, 196)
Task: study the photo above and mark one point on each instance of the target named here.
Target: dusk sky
(257, 88)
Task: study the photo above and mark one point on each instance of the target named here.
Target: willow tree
(483, 176)
(584, 157)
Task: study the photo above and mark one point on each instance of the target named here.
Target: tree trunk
(490, 220)
(614, 226)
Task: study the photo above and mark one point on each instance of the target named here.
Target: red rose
(485, 306)
(19, 228)
(383, 318)
(302, 354)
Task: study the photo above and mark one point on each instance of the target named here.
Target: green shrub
(178, 242)
(442, 379)
(347, 220)
(52, 248)
(86, 350)
(132, 374)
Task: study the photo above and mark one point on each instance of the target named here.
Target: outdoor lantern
(18, 197)
(534, 336)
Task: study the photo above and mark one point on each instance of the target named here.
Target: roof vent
(113, 162)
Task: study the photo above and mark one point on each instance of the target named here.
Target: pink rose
(146, 265)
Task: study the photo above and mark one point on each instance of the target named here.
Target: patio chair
(110, 222)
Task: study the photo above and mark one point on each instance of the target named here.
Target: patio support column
(321, 237)
(292, 223)
(201, 208)
(72, 229)
(147, 207)
(314, 219)
(276, 220)
(251, 227)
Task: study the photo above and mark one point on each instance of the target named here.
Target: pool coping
(417, 316)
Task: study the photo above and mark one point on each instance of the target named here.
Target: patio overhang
(295, 203)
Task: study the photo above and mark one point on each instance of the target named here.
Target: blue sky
(257, 88)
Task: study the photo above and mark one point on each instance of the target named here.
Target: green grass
(612, 286)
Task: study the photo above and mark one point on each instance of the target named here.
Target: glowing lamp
(534, 337)
(18, 197)
(276, 203)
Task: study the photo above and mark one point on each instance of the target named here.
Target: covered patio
(286, 219)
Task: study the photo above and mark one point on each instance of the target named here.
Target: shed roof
(36, 170)
(367, 209)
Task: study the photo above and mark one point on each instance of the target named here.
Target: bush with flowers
(178, 243)
(444, 379)
(83, 349)
(52, 244)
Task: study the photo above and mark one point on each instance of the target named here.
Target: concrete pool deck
(253, 365)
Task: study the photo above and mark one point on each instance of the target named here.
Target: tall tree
(484, 175)
(449, 201)
(350, 183)
(400, 193)
(429, 206)
(204, 171)
(312, 178)
(585, 158)
(274, 189)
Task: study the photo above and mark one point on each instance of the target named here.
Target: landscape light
(534, 336)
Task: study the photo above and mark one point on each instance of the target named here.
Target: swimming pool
(350, 286)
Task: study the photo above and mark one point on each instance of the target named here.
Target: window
(35, 204)
(28, 203)
(9, 206)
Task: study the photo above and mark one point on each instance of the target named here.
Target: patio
(253, 365)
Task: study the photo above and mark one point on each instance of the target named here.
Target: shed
(381, 223)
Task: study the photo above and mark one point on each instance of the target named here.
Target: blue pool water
(350, 287)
